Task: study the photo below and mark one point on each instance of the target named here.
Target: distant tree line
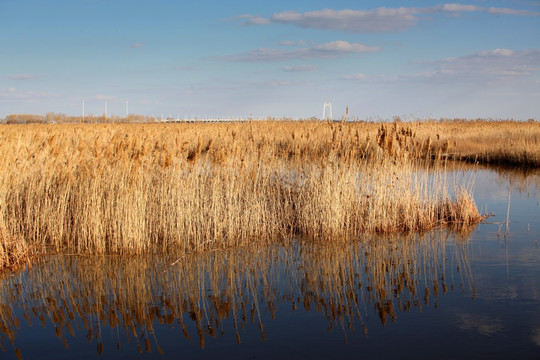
(59, 118)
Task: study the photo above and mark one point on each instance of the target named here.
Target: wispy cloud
(491, 65)
(378, 20)
(291, 43)
(247, 19)
(503, 11)
(458, 8)
(300, 68)
(381, 19)
(24, 77)
(490, 10)
(330, 50)
(357, 76)
(25, 96)
(136, 45)
(278, 83)
(104, 97)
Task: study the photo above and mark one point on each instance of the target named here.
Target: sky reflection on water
(439, 294)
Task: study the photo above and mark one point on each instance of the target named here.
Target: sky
(208, 58)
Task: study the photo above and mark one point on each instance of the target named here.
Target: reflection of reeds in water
(214, 294)
(521, 179)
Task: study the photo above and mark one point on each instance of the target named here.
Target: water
(443, 294)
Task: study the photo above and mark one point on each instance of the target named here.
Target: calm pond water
(443, 294)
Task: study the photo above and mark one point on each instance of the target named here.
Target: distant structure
(328, 106)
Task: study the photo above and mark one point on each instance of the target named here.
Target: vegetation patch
(137, 188)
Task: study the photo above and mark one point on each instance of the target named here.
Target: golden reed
(134, 188)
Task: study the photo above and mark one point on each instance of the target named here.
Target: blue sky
(271, 58)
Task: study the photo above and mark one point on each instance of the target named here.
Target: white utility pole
(325, 106)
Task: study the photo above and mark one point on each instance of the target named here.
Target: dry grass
(511, 143)
(14, 251)
(137, 188)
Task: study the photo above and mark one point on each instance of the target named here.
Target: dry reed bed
(156, 187)
(512, 143)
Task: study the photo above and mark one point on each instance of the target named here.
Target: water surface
(473, 293)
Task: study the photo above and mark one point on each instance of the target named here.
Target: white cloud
(381, 19)
(248, 19)
(330, 50)
(300, 68)
(459, 8)
(378, 20)
(497, 62)
(345, 47)
(496, 52)
(136, 45)
(485, 66)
